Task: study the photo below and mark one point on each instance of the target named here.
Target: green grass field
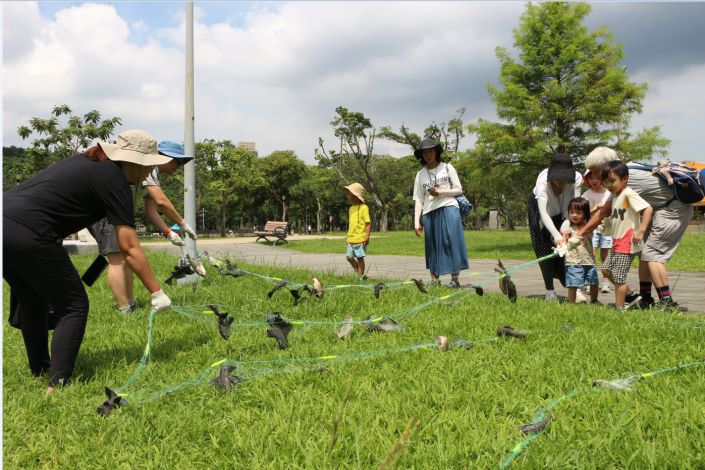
(468, 401)
(489, 244)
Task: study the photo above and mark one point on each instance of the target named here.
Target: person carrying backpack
(672, 214)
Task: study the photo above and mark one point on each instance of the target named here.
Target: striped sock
(664, 293)
(645, 290)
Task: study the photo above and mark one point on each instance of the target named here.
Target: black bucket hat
(428, 144)
(561, 169)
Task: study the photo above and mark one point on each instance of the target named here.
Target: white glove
(160, 302)
(561, 250)
(185, 229)
(574, 241)
(175, 239)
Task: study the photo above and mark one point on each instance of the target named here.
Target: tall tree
(566, 93)
(353, 162)
(230, 171)
(58, 141)
(447, 135)
(282, 170)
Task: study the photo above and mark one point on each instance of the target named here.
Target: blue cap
(174, 149)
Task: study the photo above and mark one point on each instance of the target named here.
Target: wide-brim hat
(174, 149)
(561, 169)
(428, 144)
(357, 190)
(135, 147)
(586, 178)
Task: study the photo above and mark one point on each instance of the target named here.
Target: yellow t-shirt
(359, 216)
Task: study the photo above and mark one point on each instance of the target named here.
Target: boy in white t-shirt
(597, 197)
(624, 226)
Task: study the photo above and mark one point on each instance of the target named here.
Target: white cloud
(278, 79)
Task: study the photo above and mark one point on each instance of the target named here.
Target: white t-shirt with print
(557, 204)
(624, 221)
(442, 176)
(595, 198)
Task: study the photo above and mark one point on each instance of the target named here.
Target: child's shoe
(551, 296)
(633, 301)
(579, 297)
(605, 289)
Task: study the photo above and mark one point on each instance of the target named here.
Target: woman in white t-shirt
(437, 212)
(548, 205)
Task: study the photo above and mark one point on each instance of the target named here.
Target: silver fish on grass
(420, 285)
(345, 328)
(441, 343)
(317, 287)
(535, 427)
(611, 385)
(196, 265)
(212, 261)
(387, 324)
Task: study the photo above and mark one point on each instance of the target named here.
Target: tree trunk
(510, 221)
(383, 219)
(284, 214)
(318, 215)
(223, 212)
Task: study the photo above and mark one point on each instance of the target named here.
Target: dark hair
(422, 160)
(96, 154)
(581, 204)
(617, 167)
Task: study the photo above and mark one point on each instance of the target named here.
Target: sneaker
(125, 310)
(133, 306)
(551, 296)
(605, 289)
(580, 298)
(631, 303)
(595, 302)
(669, 304)
(645, 304)
(618, 307)
(453, 285)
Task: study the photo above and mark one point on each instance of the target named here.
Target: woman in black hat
(547, 208)
(435, 188)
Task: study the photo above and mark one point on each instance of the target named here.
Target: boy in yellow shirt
(359, 231)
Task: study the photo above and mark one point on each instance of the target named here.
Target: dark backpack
(688, 183)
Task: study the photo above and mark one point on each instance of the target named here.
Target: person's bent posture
(120, 276)
(663, 235)
(45, 289)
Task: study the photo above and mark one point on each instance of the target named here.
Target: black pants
(550, 268)
(41, 276)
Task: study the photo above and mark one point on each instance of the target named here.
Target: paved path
(688, 291)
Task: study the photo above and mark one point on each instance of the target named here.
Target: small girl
(597, 197)
(580, 263)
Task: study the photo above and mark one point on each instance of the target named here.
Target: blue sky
(274, 72)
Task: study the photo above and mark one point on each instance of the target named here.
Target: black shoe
(595, 302)
(645, 304)
(669, 304)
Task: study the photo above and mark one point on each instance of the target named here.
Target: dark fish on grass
(509, 331)
(420, 285)
(378, 287)
(223, 321)
(111, 403)
(387, 324)
(279, 329)
(225, 379)
(307, 288)
(179, 272)
(461, 343)
(505, 282)
(278, 286)
(345, 328)
(534, 427)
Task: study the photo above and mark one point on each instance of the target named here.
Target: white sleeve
(418, 210)
(546, 219)
(419, 191)
(457, 187)
(541, 188)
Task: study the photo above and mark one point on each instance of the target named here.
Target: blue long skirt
(445, 241)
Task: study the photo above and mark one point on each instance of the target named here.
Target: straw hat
(357, 190)
(135, 147)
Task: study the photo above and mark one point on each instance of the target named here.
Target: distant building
(249, 146)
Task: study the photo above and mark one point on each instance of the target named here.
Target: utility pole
(189, 144)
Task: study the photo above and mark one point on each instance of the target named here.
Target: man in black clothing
(39, 213)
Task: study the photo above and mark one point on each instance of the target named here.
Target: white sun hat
(136, 147)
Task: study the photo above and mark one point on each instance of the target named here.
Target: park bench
(273, 229)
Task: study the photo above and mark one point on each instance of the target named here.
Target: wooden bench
(274, 229)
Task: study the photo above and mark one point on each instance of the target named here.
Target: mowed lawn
(488, 244)
(469, 402)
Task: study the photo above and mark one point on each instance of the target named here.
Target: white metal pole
(189, 141)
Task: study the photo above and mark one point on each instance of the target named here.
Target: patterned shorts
(618, 264)
(355, 251)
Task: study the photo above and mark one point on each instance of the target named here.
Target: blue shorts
(355, 251)
(578, 276)
(601, 241)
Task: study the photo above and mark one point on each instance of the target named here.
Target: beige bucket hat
(357, 190)
(135, 147)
